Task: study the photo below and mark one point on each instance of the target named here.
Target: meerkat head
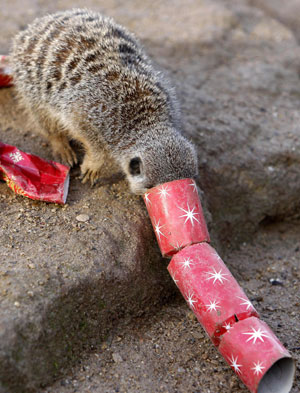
(154, 161)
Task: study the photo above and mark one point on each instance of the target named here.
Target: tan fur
(82, 76)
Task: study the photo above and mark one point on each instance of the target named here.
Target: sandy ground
(167, 351)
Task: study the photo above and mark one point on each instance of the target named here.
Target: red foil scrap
(31, 176)
(219, 303)
(6, 78)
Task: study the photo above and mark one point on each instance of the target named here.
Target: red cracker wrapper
(259, 359)
(6, 79)
(210, 289)
(221, 306)
(31, 176)
(176, 214)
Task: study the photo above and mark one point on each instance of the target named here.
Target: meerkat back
(57, 52)
(82, 76)
(63, 58)
(73, 71)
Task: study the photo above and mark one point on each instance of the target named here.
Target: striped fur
(82, 76)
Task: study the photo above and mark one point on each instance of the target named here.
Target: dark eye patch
(135, 166)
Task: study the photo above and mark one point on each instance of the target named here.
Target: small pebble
(276, 281)
(82, 218)
(65, 382)
(17, 304)
(117, 357)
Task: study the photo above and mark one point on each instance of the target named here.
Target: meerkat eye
(135, 166)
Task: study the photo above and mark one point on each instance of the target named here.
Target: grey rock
(178, 364)
(241, 97)
(289, 15)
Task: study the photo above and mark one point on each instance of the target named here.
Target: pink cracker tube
(221, 306)
(210, 289)
(258, 358)
(176, 215)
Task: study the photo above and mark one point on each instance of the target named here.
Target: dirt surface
(90, 304)
(169, 352)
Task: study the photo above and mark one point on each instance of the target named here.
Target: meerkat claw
(89, 175)
(74, 157)
(69, 156)
(93, 178)
(85, 177)
(63, 151)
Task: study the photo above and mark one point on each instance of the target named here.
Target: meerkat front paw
(90, 170)
(62, 150)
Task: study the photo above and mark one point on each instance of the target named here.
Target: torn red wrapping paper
(31, 176)
(6, 79)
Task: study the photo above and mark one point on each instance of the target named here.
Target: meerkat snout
(136, 176)
(135, 166)
(159, 160)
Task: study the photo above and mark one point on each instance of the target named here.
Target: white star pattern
(187, 262)
(235, 365)
(157, 229)
(178, 246)
(147, 200)
(212, 306)
(227, 326)
(190, 300)
(16, 157)
(163, 191)
(174, 279)
(256, 334)
(258, 367)
(193, 184)
(217, 276)
(190, 215)
(246, 302)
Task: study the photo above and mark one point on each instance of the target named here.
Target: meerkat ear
(135, 166)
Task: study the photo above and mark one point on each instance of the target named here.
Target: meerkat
(84, 77)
